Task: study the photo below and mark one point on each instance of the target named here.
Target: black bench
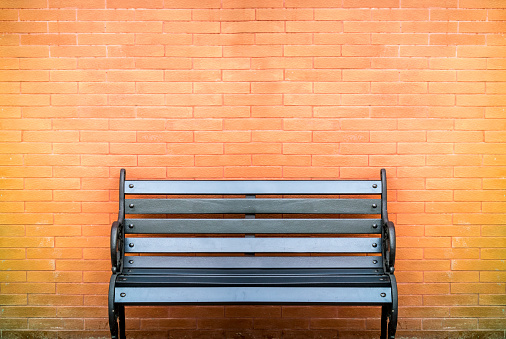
(305, 242)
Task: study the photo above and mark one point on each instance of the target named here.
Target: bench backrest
(257, 224)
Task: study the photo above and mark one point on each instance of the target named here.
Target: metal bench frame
(340, 254)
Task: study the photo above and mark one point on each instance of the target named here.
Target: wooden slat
(252, 295)
(247, 226)
(253, 187)
(324, 262)
(260, 245)
(253, 206)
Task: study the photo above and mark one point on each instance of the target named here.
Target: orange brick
(23, 27)
(281, 136)
(256, 51)
(313, 75)
(222, 136)
(280, 111)
(194, 124)
(289, 14)
(105, 63)
(29, 265)
(77, 75)
(169, 136)
(453, 183)
(133, 27)
(454, 276)
(105, 39)
(370, 75)
(252, 148)
(310, 124)
(281, 160)
(251, 4)
(224, 160)
(48, 39)
(24, 51)
(253, 172)
(312, 99)
(187, 148)
(368, 124)
(365, 148)
(134, 4)
(304, 148)
(341, 62)
(371, 27)
(339, 160)
(191, 75)
(222, 14)
(136, 99)
(195, 172)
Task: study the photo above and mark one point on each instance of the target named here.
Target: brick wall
(252, 89)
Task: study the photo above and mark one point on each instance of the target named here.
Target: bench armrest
(116, 246)
(389, 247)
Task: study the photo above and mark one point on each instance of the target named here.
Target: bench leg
(121, 315)
(392, 323)
(384, 321)
(113, 311)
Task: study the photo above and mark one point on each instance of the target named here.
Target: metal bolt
(123, 295)
(131, 244)
(131, 226)
(375, 226)
(383, 295)
(374, 186)
(373, 245)
(374, 205)
(131, 205)
(131, 185)
(130, 261)
(375, 261)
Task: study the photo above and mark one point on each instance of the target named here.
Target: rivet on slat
(131, 205)
(374, 186)
(375, 261)
(373, 245)
(374, 205)
(131, 226)
(132, 244)
(130, 262)
(131, 185)
(383, 295)
(375, 226)
(123, 295)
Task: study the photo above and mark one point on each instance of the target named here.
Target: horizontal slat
(260, 245)
(253, 206)
(247, 295)
(242, 226)
(253, 187)
(265, 279)
(252, 262)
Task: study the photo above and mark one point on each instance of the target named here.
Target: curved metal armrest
(391, 246)
(115, 246)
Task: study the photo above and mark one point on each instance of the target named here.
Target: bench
(251, 242)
